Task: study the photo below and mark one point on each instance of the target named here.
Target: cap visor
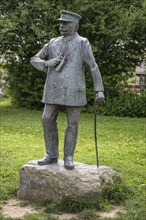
(61, 19)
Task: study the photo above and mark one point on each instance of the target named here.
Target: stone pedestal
(54, 182)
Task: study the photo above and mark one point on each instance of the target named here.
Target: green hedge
(125, 104)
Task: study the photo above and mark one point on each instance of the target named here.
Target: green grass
(121, 143)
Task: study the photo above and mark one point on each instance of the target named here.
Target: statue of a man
(64, 58)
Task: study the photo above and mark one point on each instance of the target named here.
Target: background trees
(115, 28)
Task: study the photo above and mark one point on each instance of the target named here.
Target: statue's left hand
(99, 98)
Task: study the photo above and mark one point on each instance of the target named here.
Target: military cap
(69, 16)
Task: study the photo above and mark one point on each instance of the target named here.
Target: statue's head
(69, 22)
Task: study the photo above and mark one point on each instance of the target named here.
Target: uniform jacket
(68, 87)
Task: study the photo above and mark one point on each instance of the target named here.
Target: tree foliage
(115, 28)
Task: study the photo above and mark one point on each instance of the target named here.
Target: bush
(27, 87)
(125, 104)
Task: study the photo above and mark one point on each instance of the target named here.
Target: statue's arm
(38, 61)
(41, 60)
(90, 62)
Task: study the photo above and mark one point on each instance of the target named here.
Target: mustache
(61, 29)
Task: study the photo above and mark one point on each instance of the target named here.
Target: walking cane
(95, 134)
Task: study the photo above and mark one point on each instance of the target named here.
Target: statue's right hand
(53, 62)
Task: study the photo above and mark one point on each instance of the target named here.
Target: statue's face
(67, 28)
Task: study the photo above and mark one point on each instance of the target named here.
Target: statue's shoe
(47, 160)
(68, 163)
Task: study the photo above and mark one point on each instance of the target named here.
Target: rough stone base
(54, 182)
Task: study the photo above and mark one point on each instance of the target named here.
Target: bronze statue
(64, 59)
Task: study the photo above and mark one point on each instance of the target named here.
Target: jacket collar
(69, 38)
(70, 41)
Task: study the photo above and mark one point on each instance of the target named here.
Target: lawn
(121, 143)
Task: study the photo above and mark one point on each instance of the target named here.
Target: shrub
(124, 104)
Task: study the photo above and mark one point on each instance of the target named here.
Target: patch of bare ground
(112, 213)
(65, 216)
(13, 209)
